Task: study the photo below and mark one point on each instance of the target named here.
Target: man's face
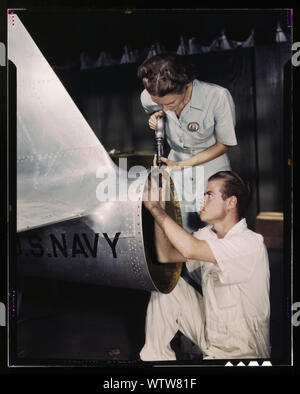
(214, 207)
(170, 101)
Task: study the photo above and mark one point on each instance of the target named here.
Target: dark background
(71, 321)
(63, 33)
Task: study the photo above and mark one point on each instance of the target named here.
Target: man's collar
(237, 228)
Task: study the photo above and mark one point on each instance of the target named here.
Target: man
(231, 319)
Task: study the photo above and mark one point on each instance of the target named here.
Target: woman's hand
(153, 119)
(171, 164)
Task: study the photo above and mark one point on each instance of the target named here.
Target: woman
(199, 121)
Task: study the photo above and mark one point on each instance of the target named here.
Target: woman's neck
(186, 99)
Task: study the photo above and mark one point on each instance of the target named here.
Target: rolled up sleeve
(236, 257)
(192, 265)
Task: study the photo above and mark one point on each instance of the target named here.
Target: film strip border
(249, 364)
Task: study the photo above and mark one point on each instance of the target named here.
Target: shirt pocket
(204, 133)
(224, 295)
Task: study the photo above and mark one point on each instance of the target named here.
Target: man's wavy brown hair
(234, 185)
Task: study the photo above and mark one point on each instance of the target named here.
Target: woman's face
(171, 101)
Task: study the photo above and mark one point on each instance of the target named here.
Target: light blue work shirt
(212, 110)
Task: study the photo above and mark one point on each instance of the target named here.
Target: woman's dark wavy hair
(235, 185)
(166, 73)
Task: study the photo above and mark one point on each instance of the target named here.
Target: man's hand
(153, 119)
(153, 195)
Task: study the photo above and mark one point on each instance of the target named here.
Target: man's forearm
(173, 232)
(186, 245)
(165, 251)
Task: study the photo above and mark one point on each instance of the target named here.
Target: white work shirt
(212, 109)
(235, 293)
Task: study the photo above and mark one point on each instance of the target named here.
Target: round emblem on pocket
(193, 126)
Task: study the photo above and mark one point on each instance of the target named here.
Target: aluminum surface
(64, 231)
(58, 153)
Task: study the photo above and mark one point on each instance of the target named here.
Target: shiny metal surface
(112, 245)
(58, 153)
(64, 231)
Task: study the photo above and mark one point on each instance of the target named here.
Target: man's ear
(232, 202)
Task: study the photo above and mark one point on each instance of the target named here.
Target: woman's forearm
(209, 154)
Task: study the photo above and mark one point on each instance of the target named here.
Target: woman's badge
(193, 126)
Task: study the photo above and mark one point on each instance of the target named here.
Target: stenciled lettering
(77, 247)
(80, 245)
(62, 247)
(94, 249)
(113, 243)
(33, 244)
